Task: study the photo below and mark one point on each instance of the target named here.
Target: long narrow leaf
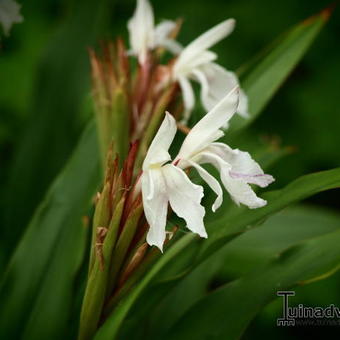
(46, 261)
(273, 67)
(247, 253)
(248, 295)
(55, 125)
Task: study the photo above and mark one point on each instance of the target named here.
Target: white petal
(186, 68)
(212, 182)
(239, 190)
(207, 40)
(185, 198)
(207, 129)
(158, 150)
(203, 80)
(242, 165)
(9, 14)
(155, 204)
(141, 29)
(242, 109)
(221, 82)
(150, 189)
(163, 30)
(200, 59)
(188, 97)
(172, 46)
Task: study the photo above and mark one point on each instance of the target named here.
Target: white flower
(196, 62)
(9, 14)
(237, 168)
(165, 183)
(144, 36)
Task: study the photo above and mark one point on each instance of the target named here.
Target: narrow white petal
(202, 79)
(239, 190)
(172, 46)
(164, 29)
(155, 204)
(207, 40)
(242, 165)
(188, 97)
(186, 67)
(141, 29)
(162, 33)
(212, 182)
(199, 60)
(202, 134)
(185, 198)
(158, 150)
(242, 109)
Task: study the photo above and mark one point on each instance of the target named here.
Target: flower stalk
(143, 182)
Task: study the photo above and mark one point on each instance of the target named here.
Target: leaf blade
(275, 65)
(292, 266)
(59, 216)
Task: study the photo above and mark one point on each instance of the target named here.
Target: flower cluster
(141, 178)
(164, 181)
(130, 108)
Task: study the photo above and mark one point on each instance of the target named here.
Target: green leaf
(38, 287)
(266, 150)
(271, 68)
(279, 232)
(239, 257)
(56, 114)
(226, 312)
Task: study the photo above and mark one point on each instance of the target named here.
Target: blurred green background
(45, 99)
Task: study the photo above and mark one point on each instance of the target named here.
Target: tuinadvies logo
(307, 316)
